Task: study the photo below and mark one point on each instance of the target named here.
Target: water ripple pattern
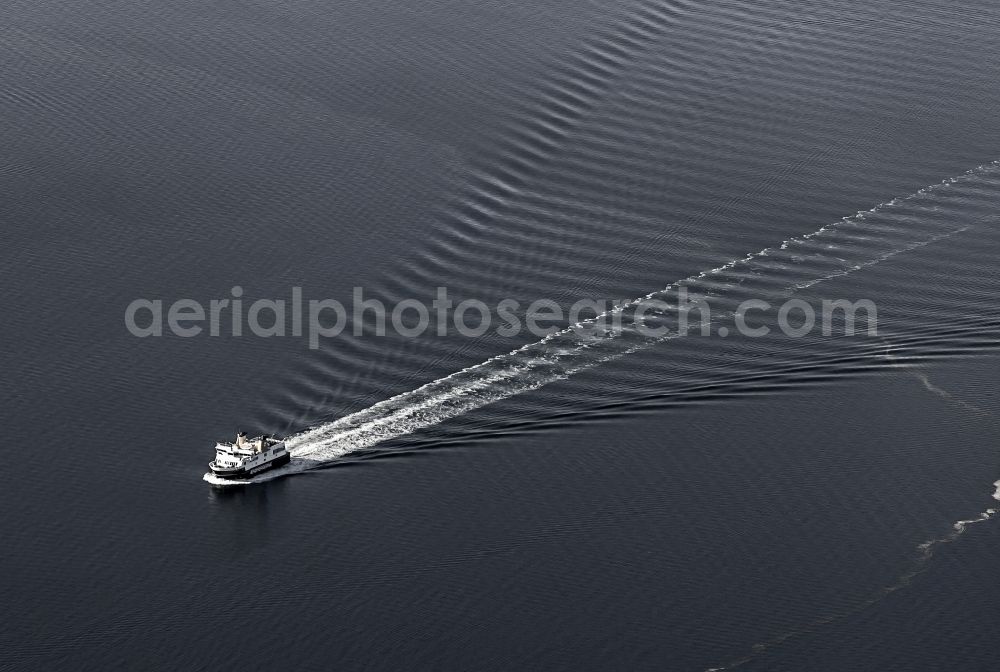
(843, 247)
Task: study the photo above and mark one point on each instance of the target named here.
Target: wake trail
(925, 551)
(925, 380)
(850, 244)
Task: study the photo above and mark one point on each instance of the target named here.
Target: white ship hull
(247, 471)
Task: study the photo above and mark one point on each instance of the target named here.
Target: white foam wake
(837, 249)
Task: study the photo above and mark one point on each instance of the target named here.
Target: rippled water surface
(585, 502)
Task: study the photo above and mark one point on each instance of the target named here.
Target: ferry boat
(247, 457)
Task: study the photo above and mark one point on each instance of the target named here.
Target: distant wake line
(925, 551)
(837, 249)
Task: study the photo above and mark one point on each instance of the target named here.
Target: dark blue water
(684, 504)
